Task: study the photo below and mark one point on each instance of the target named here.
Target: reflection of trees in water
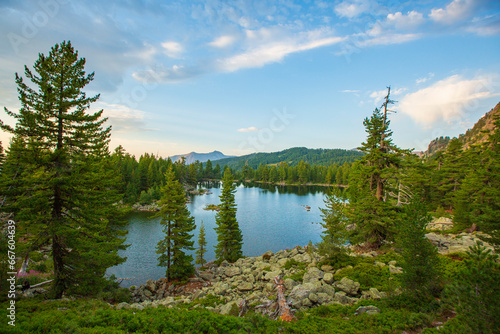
(209, 184)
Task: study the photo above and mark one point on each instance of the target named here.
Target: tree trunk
(284, 312)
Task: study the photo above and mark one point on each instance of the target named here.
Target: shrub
(475, 294)
(295, 264)
(368, 276)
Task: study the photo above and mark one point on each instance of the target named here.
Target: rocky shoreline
(251, 279)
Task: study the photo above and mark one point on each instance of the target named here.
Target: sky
(263, 76)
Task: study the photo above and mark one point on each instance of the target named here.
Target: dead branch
(283, 309)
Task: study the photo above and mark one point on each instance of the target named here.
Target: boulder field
(251, 279)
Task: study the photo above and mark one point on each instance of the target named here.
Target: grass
(92, 316)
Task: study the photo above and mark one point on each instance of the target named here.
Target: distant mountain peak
(201, 157)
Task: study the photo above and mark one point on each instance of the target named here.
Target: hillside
(201, 157)
(321, 157)
(473, 136)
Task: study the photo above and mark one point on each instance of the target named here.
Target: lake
(270, 218)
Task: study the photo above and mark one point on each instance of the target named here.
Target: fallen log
(283, 310)
(36, 285)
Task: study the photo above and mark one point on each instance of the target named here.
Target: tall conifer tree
(177, 224)
(59, 176)
(202, 246)
(370, 181)
(229, 237)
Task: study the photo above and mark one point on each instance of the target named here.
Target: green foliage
(229, 237)
(298, 276)
(475, 294)
(211, 300)
(369, 276)
(113, 293)
(420, 262)
(374, 180)
(478, 201)
(293, 156)
(202, 246)
(58, 173)
(334, 235)
(292, 263)
(177, 224)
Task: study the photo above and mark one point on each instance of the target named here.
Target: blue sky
(262, 76)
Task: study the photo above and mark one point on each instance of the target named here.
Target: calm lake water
(270, 218)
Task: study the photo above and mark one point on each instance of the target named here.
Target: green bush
(295, 264)
(475, 294)
(369, 276)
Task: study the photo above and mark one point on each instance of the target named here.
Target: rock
(306, 302)
(313, 274)
(324, 298)
(199, 294)
(328, 278)
(348, 286)
(147, 293)
(327, 268)
(245, 286)
(137, 306)
(232, 271)
(328, 289)
(290, 284)
(270, 275)
(267, 255)
(207, 275)
(167, 301)
(150, 285)
(226, 308)
(123, 305)
(392, 263)
(298, 295)
(442, 224)
(341, 298)
(367, 309)
(395, 270)
(374, 294)
(380, 264)
(313, 297)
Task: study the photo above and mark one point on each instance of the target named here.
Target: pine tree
(60, 176)
(478, 200)
(208, 170)
(371, 180)
(229, 237)
(334, 236)
(421, 271)
(177, 224)
(475, 294)
(202, 246)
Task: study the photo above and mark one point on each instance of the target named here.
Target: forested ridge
(66, 193)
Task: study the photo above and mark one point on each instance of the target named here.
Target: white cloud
(378, 96)
(353, 91)
(123, 118)
(454, 12)
(162, 74)
(249, 129)
(446, 100)
(411, 20)
(485, 26)
(387, 38)
(424, 79)
(351, 9)
(275, 50)
(223, 41)
(172, 49)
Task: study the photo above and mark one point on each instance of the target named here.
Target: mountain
(321, 156)
(476, 135)
(201, 157)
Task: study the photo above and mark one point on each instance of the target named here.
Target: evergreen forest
(68, 193)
